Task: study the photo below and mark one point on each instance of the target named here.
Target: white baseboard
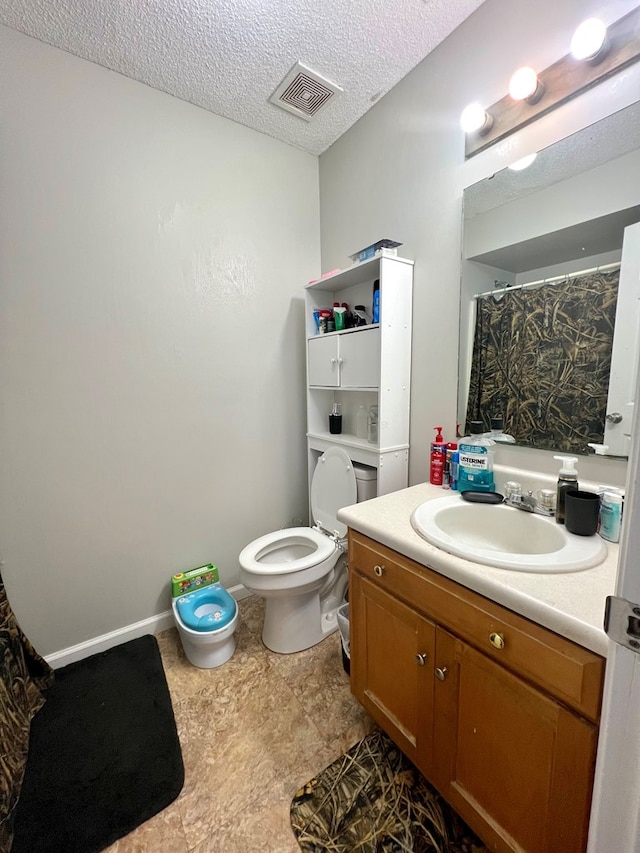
(152, 625)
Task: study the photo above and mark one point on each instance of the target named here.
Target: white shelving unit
(367, 365)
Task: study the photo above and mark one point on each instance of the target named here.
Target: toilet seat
(319, 545)
(209, 609)
(333, 486)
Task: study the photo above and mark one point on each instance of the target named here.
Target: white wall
(152, 260)
(399, 173)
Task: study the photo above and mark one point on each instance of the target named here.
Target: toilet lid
(333, 486)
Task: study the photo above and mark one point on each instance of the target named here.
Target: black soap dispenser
(567, 479)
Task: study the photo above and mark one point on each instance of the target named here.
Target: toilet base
(293, 623)
(208, 656)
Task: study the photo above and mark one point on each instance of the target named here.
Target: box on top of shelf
(388, 247)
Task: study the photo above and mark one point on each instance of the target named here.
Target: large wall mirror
(550, 295)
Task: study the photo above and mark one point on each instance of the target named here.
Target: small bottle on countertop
(437, 458)
(567, 479)
(610, 519)
(448, 475)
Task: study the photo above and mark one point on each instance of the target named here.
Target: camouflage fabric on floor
(373, 800)
(24, 674)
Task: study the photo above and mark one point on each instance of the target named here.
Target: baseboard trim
(152, 625)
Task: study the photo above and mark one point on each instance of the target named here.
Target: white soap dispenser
(567, 479)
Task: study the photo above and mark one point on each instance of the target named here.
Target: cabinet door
(514, 763)
(359, 355)
(323, 361)
(392, 667)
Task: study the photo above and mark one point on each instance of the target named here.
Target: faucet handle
(512, 489)
(547, 499)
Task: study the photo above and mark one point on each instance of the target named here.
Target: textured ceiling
(228, 56)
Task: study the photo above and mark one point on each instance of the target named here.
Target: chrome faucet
(543, 503)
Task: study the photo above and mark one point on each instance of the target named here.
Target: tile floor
(252, 732)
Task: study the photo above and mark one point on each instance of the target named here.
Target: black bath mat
(104, 754)
(373, 800)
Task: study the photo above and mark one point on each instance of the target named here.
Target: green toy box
(185, 582)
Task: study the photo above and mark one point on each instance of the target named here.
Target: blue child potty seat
(221, 609)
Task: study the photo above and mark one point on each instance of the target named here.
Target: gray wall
(152, 259)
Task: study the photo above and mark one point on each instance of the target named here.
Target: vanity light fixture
(590, 41)
(475, 119)
(525, 85)
(597, 52)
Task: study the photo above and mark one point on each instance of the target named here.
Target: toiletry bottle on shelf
(475, 461)
(335, 419)
(567, 479)
(372, 425)
(348, 316)
(360, 316)
(376, 301)
(610, 515)
(437, 458)
(362, 422)
(339, 317)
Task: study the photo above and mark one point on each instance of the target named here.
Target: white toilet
(301, 572)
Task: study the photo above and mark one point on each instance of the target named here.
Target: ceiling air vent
(303, 92)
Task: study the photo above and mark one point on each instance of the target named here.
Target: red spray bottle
(437, 458)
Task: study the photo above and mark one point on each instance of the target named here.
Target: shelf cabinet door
(392, 649)
(515, 764)
(323, 361)
(359, 359)
(350, 360)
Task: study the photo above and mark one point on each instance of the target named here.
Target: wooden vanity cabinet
(392, 665)
(500, 714)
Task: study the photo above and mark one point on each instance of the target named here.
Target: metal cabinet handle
(614, 417)
(441, 673)
(378, 571)
(421, 659)
(496, 640)
(334, 361)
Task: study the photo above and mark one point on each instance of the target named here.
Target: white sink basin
(504, 537)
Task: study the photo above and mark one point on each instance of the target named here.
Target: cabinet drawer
(564, 669)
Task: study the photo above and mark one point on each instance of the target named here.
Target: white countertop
(570, 604)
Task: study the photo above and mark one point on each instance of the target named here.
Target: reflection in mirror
(549, 307)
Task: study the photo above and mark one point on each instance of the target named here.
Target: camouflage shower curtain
(541, 360)
(24, 675)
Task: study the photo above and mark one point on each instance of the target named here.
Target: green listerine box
(185, 582)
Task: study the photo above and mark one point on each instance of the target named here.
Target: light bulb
(475, 118)
(525, 86)
(523, 162)
(589, 40)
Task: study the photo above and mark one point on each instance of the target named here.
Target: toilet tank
(366, 481)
